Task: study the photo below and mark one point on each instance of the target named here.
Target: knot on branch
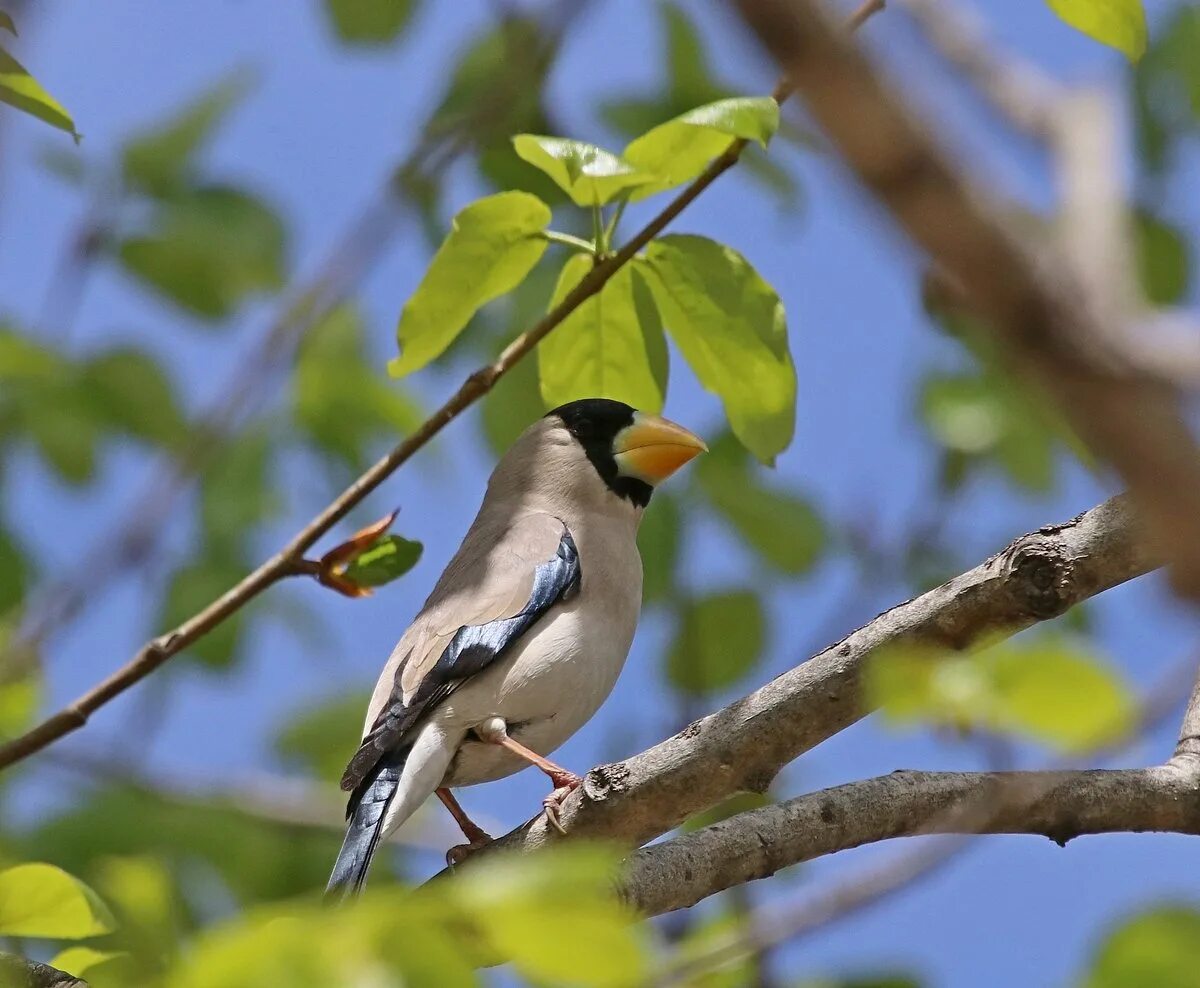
(606, 780)
(1040, 577)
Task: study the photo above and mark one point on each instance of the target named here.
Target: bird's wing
(482, 604)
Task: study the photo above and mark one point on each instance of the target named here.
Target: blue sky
(317, 137)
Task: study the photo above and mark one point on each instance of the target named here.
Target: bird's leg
(495, 731)
(475, 834)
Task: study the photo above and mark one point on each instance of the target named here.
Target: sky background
(317, 136)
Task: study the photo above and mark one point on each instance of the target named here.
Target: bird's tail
(366, 814)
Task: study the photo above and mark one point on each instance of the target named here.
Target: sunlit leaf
(783, 528)
(1164, 260)
(388, 559)
(40, 900)
(611, 346)
(1159, 947)
(158, 161)
(20, 697)
(729, 324)
(82, 961)
(658, 542)
(21, 90)
(678, 150)
(719, 641)
(590, 175)
(1048, 691)
(209, 249)
(493, 244)
(144, 896)
(321, 739)
(342, 400)
(369, 22)
(1120, 24)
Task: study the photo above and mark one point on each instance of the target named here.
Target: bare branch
(20, 972)
(1028, 295)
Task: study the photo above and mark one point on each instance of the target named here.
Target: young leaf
(612, 346)
(158, 160)
(730, 326)
(21, 90)
(678, 150)
(720, 640)
(40, 900)
(1120, 24)
(590, 175)
(493, 244)
(1159, 947)
(388, 559)
(369, 22)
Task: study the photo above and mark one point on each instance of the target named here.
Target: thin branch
(286, 562)
(744, 745)
(1027, 293)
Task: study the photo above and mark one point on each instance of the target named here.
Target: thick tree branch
(1030, 296)
(19, 972)
(743, 746)
(288, 561)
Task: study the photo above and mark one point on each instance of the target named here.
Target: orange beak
(653, 448)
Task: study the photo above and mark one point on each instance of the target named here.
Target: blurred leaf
(1048, 691)
(209, 249)
(321, 739)
(192, 588)
(537, 910)
(738, 803)
(611, 346)
(1160, 947)
(341, 400)
(1163, 259)
(21, 90)
(720, 640)
(6, 22)
(493, 244)
(729, 325)
(589, 174)
(658, 543)
(1167, 86)
(510, 407)
(82, 961)
(66, 433)
(781, 527)
(678, 150)
(867, 981)
(388, 559)
(369, 22)
(20, 698)
(14, 572)
(236, 491)
(1120, 24)
(142, 893)
(131, 392)
(40, 900)
(158, 161)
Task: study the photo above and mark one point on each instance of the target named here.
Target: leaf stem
(611, 229)
(598, 230)
(568, 240)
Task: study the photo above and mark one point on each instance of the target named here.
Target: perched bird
(525, 633)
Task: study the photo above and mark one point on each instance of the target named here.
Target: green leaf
(720, 640)
(658, 543)
(194, 587)
(369, 22)
(387, 559)
(342, 401)
(66, 434)
(1163, 259)
(511, 406)
(1160, 947)
(1166, 87)
(1120, 24)
(78, 961)
(590, 175)
(678, 150)
(730, 326)
(781, 527)
(7, 23)
(1048, 691)
(14, 573)
(159, 161)
(209, 249)
(40, 900)
(321, 739)
(21, 90)
(236, 491)
(493, 244)
(20, 698)
(131, 392)
(611, 346)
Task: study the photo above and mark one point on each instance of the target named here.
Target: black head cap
(595, 422)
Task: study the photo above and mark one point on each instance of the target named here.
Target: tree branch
(20, 972)
(743, 746)
(286, 561)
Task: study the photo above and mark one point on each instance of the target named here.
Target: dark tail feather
(367, 809)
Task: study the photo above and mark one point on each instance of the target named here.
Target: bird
(524, 634)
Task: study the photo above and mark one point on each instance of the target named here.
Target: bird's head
(631, 451)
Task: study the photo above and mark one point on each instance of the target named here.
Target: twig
(288, 560)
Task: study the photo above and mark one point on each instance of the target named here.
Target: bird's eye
(584, 429)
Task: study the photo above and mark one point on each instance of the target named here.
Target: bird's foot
(460, 852)
(566, 783)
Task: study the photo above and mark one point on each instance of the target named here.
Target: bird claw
(567, 783)
(460, 852)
